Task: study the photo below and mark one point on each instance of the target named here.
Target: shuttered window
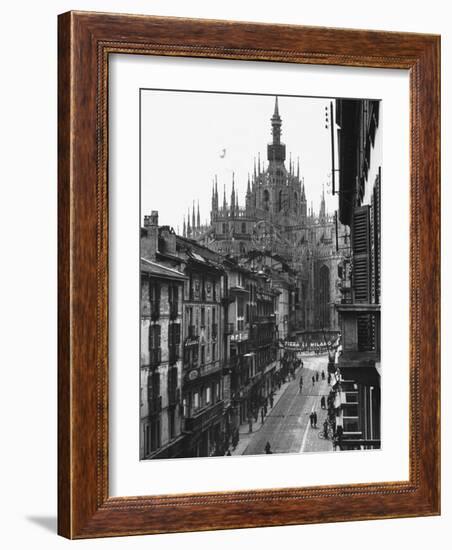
(154, 298)
(154, 337)
(361, 247)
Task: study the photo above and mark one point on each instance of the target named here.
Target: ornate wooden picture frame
(86, 40)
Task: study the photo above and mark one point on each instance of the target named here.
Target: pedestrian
(268, 448)
(313, 380)
(265, 409)
(262, 415)
(322, 402)
(325, 429)
(323, 375)
(311, 419)
(271, 400)
(329, 378)
(228, 453)
(316, 376)
(250, 424)
(315, 419)
(301, 384)
(235, 439)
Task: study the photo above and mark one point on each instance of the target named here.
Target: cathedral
(274, 221)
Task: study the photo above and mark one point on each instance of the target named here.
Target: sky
(183, 135)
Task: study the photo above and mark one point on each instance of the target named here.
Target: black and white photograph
(260, 269)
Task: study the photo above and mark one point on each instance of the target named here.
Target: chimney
(149, 236)
(168, 241)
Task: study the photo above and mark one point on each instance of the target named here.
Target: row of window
(201, 288)
(265, 357)
(225, 228)
(155, 338)
(208, 353)
(203, 317)
(200, 398)
(196, 400)
(155, 293)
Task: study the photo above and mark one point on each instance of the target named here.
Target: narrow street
(287, 426)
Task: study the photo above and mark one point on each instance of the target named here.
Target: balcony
(155, 357)
(200, 420)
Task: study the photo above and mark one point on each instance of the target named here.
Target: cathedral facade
(274, 222)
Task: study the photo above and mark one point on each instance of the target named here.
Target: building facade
(203, 352)
(358, 363)
(161, 420)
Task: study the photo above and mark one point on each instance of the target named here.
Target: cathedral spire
(193, 219)
(248, 194)
(276, 124)
(216, 192)
(233, 193)
(188, 223)
(184, 229)
(322, 213)
(276, 151)
(225, 204)
(198, 218)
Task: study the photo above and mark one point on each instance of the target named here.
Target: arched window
(243, 227)
(224, 229)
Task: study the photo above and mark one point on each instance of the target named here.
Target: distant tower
(303, 203)
(198, 219)
(248, 195)
(184, 229)
(233, 201)
(322, 213)
(276, 151)
(225, 204)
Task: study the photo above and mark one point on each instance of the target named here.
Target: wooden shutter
(170, 335)
(158, 332)
(361, 249)
(151, 337)
(176, 336)
(154, 337)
